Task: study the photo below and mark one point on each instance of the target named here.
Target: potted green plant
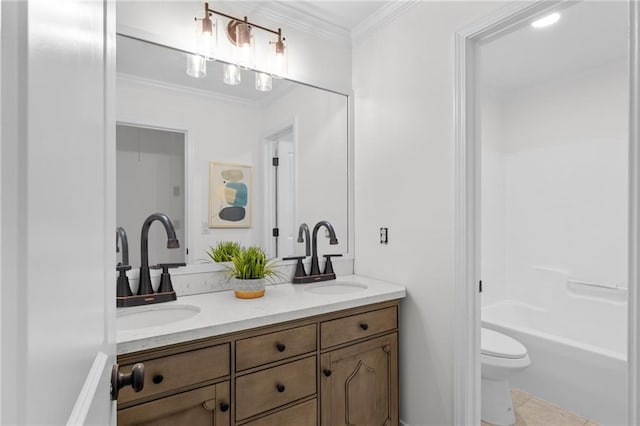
(249, 270)
(224, 251)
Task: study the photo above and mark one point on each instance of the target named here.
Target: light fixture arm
(277, 32)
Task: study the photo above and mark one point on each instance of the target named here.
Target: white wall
(404, 154)
(565, 200)
(216, 131)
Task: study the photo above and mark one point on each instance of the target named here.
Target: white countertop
(222, 313)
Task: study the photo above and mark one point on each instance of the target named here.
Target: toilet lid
(500, 345)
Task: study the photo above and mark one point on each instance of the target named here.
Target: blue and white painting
(230, 195)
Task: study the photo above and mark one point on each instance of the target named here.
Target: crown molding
(186, 90)
(303, 20)
(380, 17)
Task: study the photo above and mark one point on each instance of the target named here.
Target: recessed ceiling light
(546, 21)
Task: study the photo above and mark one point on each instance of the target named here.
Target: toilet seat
(500, 345)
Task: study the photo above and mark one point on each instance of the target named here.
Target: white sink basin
(153, 316)
(335, 287)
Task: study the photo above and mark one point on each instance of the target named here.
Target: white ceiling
(345, 14)
(589, 34)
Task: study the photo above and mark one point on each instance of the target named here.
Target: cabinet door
(359, 384)
(208, 406)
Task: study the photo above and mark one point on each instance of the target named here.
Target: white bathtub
(578, 353)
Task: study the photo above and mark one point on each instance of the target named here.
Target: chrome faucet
(304, 237)
(172, 243)
(315, 268)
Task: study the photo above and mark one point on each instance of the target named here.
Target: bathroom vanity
(296, 356)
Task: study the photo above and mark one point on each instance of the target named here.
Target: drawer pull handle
(327, 372)
(224, 407)
(157, 379)
(364, 326)
(280, 387)
(280, 347)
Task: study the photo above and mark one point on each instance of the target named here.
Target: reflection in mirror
(150, 178)
(293, 139)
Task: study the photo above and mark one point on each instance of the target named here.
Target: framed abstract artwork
(230, 195)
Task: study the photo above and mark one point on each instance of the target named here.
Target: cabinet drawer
(345, 329)
(304, 414)
(204, 406)
(271, 347)
(273, 387)
(175, 371)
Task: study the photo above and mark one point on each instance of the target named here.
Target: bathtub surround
(555, 191)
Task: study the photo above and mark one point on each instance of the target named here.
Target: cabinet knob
(326, 372)
(157, 379)
(364, 326)
(280, 347)
(135, 379)
(280, 387)
(224, 407)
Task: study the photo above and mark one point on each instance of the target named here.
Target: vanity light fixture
(546, 21)
(240, 34)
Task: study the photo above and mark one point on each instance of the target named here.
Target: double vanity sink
(302, 354)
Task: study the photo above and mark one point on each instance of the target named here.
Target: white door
(57, 210)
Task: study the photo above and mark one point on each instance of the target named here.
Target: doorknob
(135, 379)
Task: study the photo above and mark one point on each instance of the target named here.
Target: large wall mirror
(172, 127)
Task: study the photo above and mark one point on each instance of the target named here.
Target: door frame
(268, 138)
(466, 391)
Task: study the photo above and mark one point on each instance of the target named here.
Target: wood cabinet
(333, 369)
(204, 406)
(359, 384)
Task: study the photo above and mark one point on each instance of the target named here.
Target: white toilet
(500, 357)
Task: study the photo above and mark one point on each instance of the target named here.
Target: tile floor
(531, 411)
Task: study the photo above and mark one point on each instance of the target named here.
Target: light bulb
(244, 46)
(264, 82)
(196, 66)
(206, 37)
(231, 74)
(279, 68)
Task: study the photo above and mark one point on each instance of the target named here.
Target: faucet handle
(165, 279)
(328, 266)
(300, 272)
